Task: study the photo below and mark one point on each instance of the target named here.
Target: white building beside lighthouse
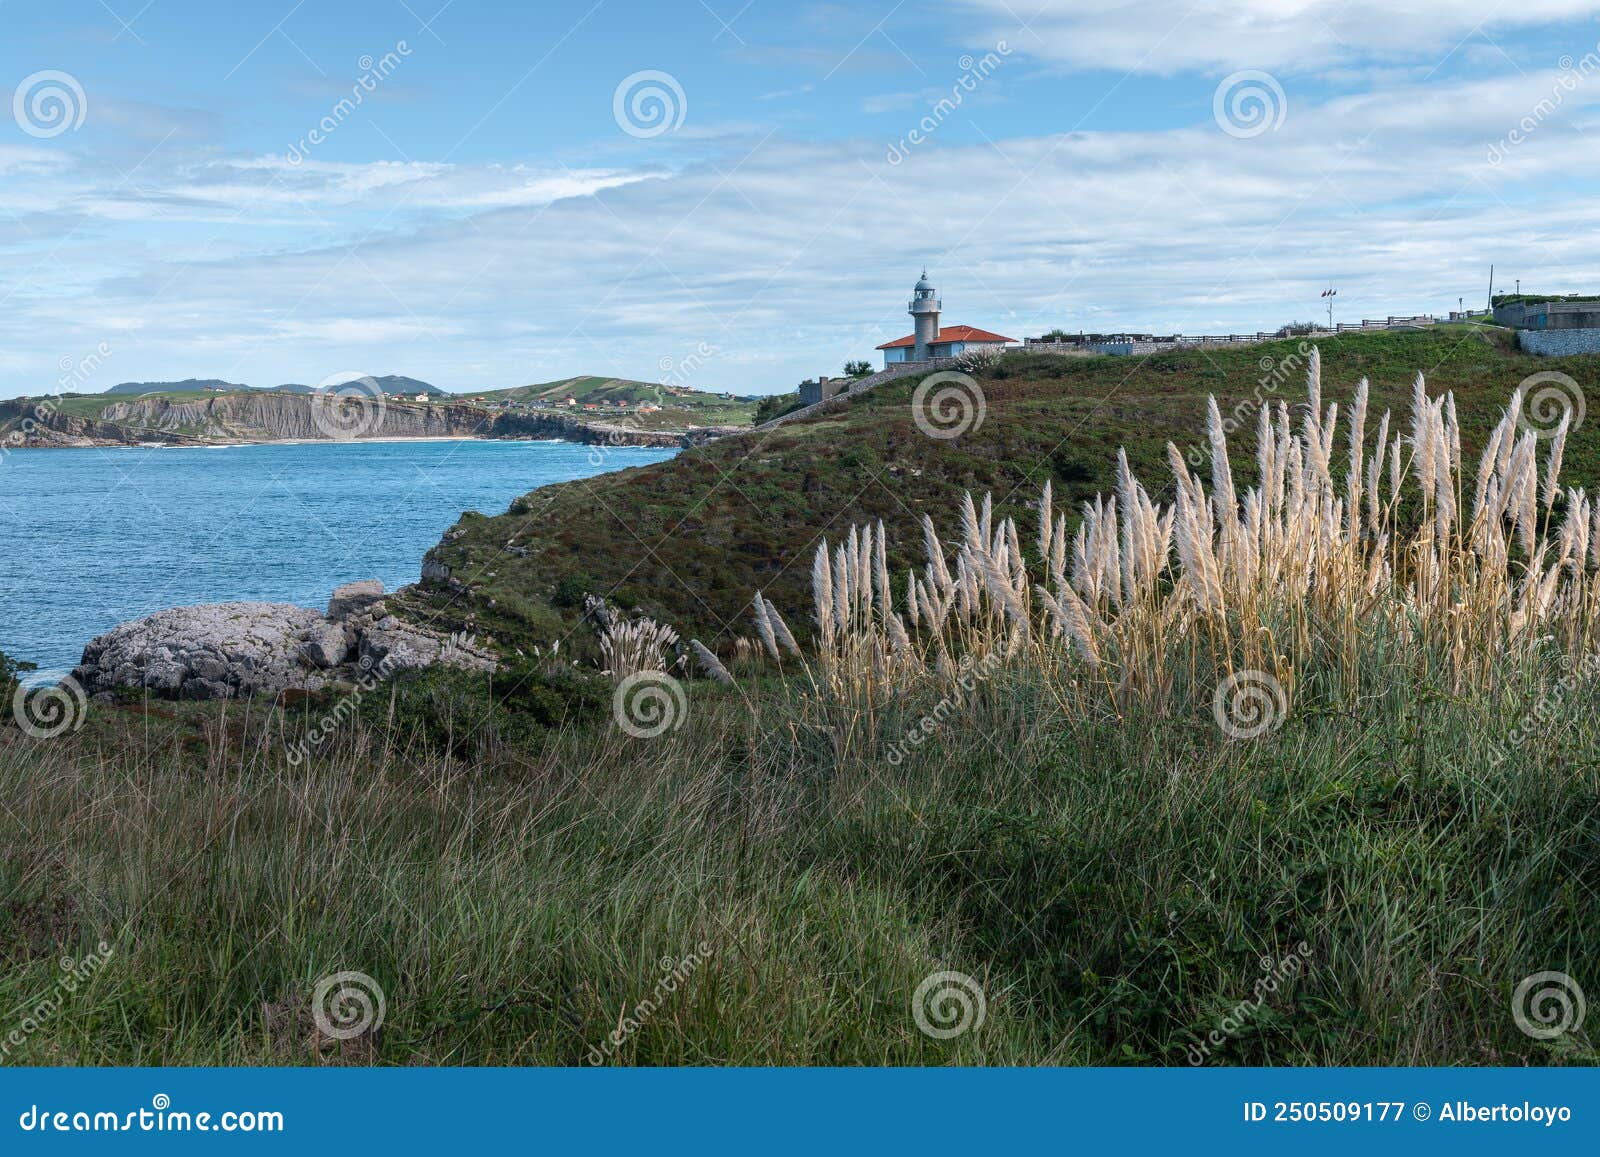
(929, 340)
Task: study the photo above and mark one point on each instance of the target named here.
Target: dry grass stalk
(636, 645)
(1315, 558)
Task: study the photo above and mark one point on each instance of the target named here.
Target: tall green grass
(1112, 883)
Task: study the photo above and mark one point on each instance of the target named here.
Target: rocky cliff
(293, 417)
(268, 417)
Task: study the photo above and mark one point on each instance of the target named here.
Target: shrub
(776, 405)
(571, 590)
(473, 716)
(9, 670)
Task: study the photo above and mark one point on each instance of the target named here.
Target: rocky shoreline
(230, 650)
(275, 419)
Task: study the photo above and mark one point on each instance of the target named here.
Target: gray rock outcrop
(225, 650)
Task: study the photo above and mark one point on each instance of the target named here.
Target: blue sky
(206, 198)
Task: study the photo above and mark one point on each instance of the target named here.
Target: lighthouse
(924, 310)
(930, 342)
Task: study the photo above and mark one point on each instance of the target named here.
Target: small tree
(776, 405)
(857, 369)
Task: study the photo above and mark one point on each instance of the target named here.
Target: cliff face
(295, 417)
(23, 424)
(538, 425)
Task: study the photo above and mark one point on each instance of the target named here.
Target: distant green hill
(400, 384)
(187, 386)
(591, 388)
(389, 383)
(679, 404)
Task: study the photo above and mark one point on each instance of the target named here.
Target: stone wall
(820, 390)
(1559, 342)
(858, 385)
(1549, 314)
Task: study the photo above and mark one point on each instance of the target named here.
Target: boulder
(326, 644)
(215, 651)
(390, 645)
(224, 650)
(353, 597)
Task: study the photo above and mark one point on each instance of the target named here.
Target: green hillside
(680, 406)
(688, 540)
(187, 386)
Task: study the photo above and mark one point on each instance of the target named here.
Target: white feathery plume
(1358, 433)
(1047, 524)
(764, 629)
(781, 629)
(940, 572)
(710, 663)
(822, 590)
(1552, 471)
(880, 559)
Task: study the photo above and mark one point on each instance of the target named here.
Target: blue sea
(90, 538)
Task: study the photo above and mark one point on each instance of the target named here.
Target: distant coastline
(590, 411)
(265, 419)
(243, 442)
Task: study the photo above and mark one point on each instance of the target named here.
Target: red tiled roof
(948, 333)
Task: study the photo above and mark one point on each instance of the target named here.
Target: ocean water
(90, 538)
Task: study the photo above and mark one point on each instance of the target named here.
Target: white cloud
(1159, 36)
(795, 258)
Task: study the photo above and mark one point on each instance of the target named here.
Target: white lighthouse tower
(924, 310)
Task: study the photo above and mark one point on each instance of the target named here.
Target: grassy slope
(690, 539)
(681, 406)
(1112, 883)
